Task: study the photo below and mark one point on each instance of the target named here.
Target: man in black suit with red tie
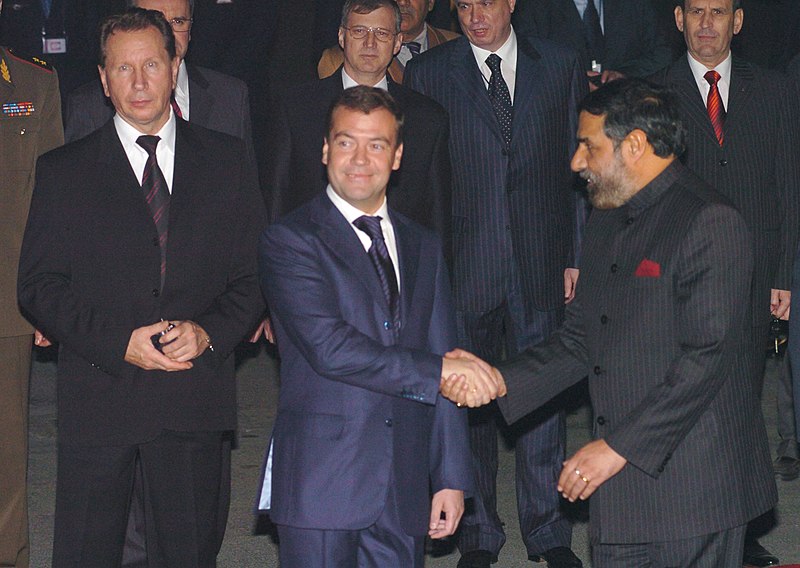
(129, 262)
(742, 139)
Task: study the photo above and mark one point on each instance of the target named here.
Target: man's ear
(679, 18)
(325, 151)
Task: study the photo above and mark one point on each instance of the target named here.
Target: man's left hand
(594, 464)
(184, 342)
(570, 281)
(780, 303)
(451, 503)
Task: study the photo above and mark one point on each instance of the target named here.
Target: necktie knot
(370, 225)
(493, 62)
(149, 143)
(414, 47)
(712, 77)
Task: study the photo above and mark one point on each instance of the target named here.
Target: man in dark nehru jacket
(742, 139)
(680, 461)
(130, 263)
(30, 125)
(370, 36)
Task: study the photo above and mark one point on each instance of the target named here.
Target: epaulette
(30, 60)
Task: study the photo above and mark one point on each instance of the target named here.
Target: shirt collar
(507, 52)
(422, 38)
(128, 134)
(699, 70)
(348, 81)
(182, 88)
(352, 213)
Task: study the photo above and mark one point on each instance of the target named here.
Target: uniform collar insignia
(4, 72)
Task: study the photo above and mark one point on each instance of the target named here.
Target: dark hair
(369, 6)
(135, 4)
(630, 104)
(736, 4)
(367, 99)
(134, 20)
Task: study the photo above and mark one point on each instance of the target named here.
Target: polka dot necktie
(381, 261)
(714, 106)
(500, 97)
(156, 194)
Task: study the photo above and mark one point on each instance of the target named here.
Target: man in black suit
(680, 461)
(515, 225)
(742, 139)
(129, 262)
(295, 174)
(207, 97)
(614, 38)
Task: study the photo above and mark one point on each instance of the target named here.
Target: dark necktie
(414, 47)
(379, 255)
(500, 97)
(156, 194)
(595, 40)
(175, 108)
(714, 106)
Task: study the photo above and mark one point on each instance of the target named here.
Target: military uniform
(30, 125)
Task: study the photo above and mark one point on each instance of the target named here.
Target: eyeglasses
(181, 24)
(360, 32)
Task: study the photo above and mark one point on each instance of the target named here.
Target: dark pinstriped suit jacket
(666, 364)
(511, 205)
(632, 45)
(756, 168)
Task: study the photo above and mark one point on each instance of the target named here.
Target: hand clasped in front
(470, 381)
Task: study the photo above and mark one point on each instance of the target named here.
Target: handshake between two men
(470, 381)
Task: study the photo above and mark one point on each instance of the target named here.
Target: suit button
(156, 293)
(604, 319)
(387, 325)
(601, 420)
(614, 268)
(629, 221)
(598, 370)
(723, 162)
(388, 422)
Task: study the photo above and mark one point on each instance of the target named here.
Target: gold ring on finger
(583, 477)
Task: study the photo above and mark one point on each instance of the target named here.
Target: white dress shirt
(352, 213)
(137, 156)
(404, 55)
(348, 81)
(508, 64)
(724, 83)
(182, 91)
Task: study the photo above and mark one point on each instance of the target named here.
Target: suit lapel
(740, 93)
(680, 77)
(527, 62)
(466, 76)
(408, 244)
(201, 102)
(338, 236)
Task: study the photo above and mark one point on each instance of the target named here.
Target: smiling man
(670, 389)
(362, 314)
(146, 307)
(742, 139)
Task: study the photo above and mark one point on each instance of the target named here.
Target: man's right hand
(141, 352)
(470, 381)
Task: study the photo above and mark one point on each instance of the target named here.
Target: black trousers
(184, 500)
(715, 550)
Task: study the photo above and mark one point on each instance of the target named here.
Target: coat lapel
(201, 102)
(466, 76)
(681, 79)
(527, 61)
(338, 236)
(740, 93)
(408, 244)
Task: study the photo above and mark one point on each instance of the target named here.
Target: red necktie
(716, 110)
(175, 108)
(157, 196)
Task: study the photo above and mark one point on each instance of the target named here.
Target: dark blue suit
(515, 223)
(359, 408)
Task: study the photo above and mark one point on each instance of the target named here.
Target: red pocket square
(648, 269)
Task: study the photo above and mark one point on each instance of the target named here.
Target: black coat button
(614, 268)
(156, 293)
(629, 221)
(604, 319)
(388, 422)
(601, 420)
(723, 162)
(598, 370)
